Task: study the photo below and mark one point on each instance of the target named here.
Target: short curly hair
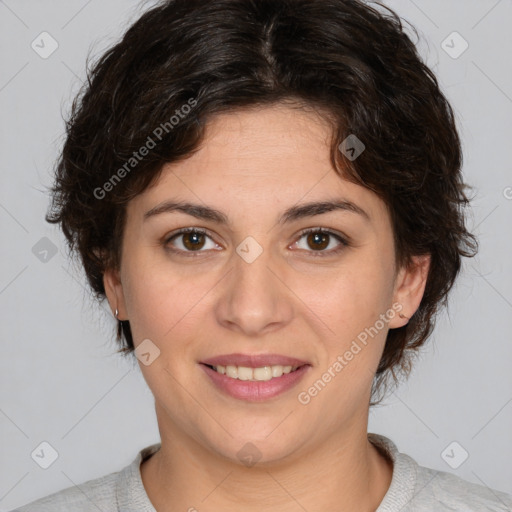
(148, 98)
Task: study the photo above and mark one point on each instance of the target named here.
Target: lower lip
(253, 390)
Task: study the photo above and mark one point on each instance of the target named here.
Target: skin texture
(254, 164)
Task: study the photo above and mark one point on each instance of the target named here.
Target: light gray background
(60, 379)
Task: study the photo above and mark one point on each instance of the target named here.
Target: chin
(250, 447)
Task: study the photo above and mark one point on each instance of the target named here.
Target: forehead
(267, 157)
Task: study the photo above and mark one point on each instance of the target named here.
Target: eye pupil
(195, 239)
(319, 240)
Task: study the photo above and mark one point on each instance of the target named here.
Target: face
(258, 284)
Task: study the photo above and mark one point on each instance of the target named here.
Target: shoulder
(415, 488)
(119, 491)
(99, 493)
(444, 491)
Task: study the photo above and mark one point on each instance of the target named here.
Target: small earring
(116, 313)
(403, 316)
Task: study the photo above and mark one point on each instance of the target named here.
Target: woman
(269, 195)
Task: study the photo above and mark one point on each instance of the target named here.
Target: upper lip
(253, 360)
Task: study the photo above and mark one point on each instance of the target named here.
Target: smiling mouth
(263, 373)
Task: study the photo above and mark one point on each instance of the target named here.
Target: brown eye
(193, 240)
(189, 240)
(318, 240)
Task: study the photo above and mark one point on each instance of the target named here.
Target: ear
(409, 288)
(114, 292)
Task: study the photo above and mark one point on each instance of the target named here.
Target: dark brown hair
(184, 61)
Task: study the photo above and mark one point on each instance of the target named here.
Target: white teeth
(261, 374)
(232, 371)
(277, 371)
(264, 373)
(245, 373)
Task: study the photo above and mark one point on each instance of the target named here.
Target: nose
(254, 297)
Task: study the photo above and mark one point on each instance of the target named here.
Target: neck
(345, 473)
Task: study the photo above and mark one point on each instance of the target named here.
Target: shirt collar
(403, 481)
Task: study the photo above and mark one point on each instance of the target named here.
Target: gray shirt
(413, 488)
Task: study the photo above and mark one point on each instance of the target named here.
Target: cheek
(167, 308)
(351, 303)
(163, 304)
(352, 296)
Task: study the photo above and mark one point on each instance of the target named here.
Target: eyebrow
(291, 214)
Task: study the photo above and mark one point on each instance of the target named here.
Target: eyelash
(322, 254)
